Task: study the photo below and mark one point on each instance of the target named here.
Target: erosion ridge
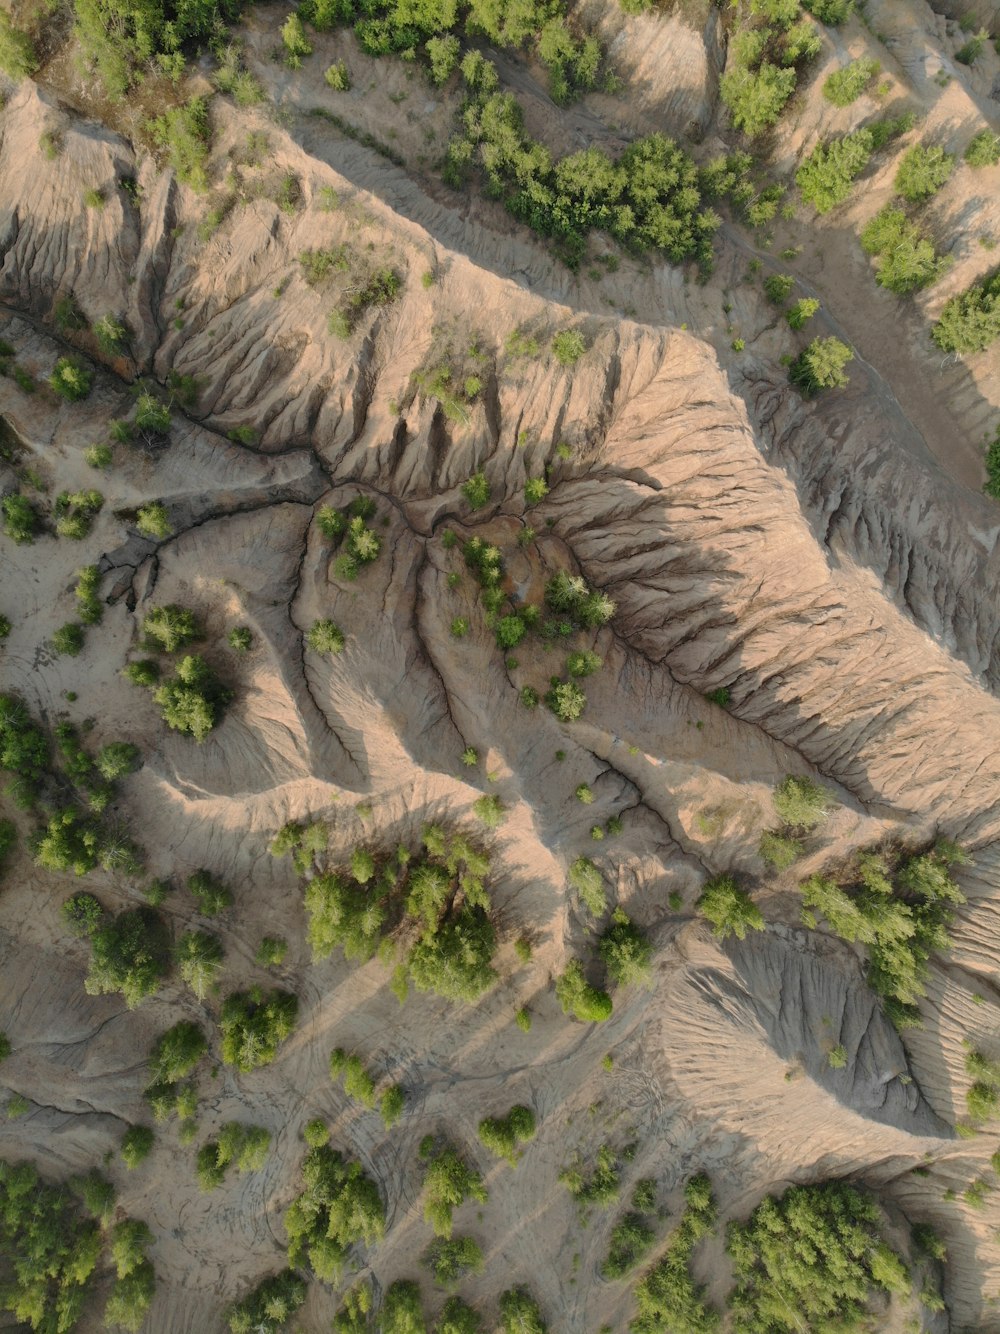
(820, 564)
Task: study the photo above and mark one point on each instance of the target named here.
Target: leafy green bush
(451, 1259)
(75, 511)
(191, 702)
(586, 879)
(568, 346)
(779, 850)
(970, 322)
(626, 951)
(325, 637)
(68, 640)
(153, 521)
(18, 56)
(71, 380)
(668, 1298)
(24, 750)
(50, 1251)
(130, 954)
(566, 700)
(338, 1207)
(900, 907)
(631, 1240)
(907, 258)
(240, 639)
(199, 959)
(146, 672)
(923, 171)
(448, 1182)
(20, 519)
(477, 491)
(152, 417)
(820, 366)
(391, 1105)
(183, 132)
(801, 803)
(520, 1313)
(730, 909)
(503, 1135)
(269, 1307)
(81, 914)
(757, 96)
(99, 456)
(838, 1227)
(358, 1083)
(254, 1024)
(578, 998)
(271, 951)
(176, 1052)
(337, 77)
(170, 628)
(983, 149)
(137, 1143)
(209, 893)
(846, 85)
(826, 175)
(88, 603)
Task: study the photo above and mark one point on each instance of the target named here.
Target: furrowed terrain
(492, 620)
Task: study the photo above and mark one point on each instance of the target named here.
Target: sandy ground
(831, 564)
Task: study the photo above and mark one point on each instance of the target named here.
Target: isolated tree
(821, 366)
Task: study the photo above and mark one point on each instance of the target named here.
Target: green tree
(71, 380)
(756, 97)
(970, 321)
(325, 637)
(826, 175)
(177, 1051)
(626, 951)
(20, 519)
(846, 85)
(568, 346)
(983, 149)
(503, 1135)
(153, 521)
(923, 171)
(130, 954)
(820, 366)
(137, 1144)
(170, 628)
(578, 998)
(338, 1207)
(254, 1024)
(184, 133)
(448, 1183)
(520, 1313)
(801, 802)
(268, 1308)
(192, 700)
(18, 56)
(730, 909)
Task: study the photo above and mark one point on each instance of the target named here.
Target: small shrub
(271, 951)
(153, 522)
(490, 810)
(325, 637)
(71, 380)
(110, 334)
(821, 366)
(99, 456)
(295, 41)
(626, 951)
(801, 802)
(730, 909)
(20, 521)
(210, 894)
(337, 77)
(68, 640)
(183, 132)
(568, 347)
(477, 491)
(983, 149)
(846, 85)
(503, 1135)
(778, 288)
(578, 998)
(837, 1058)
(523, 1019)
(586, 879)
(82, 914)
(779, 850)
(922, 172)
(240, 639)
(391, 1105)
(146, 672)
(358, 1083)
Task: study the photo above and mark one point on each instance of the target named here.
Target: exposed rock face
(813, 560)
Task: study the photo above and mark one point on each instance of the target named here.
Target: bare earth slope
(821, 562)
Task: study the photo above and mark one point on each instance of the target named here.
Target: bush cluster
(448, 1182)
(130, 953)
(440, 890)
(270, 1306)
(970, 322)
(338, 1207)
(813, 1256)
(730, 909)
(761, 69)
(649, 199)
(906, 258)
(900, 907)
(668, 1298)
(577, 997)
(254, 1024)
(348, 531)
(502, 1135)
